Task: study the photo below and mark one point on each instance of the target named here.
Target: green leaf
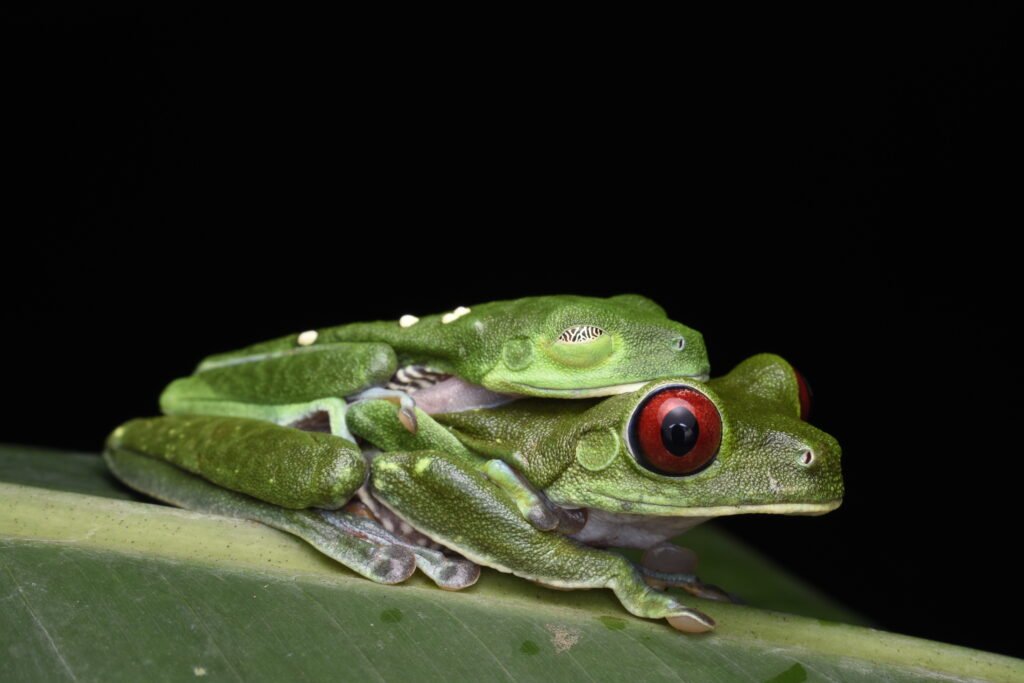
(97, 586)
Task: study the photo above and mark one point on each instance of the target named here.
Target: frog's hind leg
(490, 530)
(274, 475)
(283, 385)
(387, 563)
(278, 465)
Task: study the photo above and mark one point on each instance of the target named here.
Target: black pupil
(679, 431)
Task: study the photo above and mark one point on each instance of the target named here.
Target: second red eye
(806, 395)
(676, 431)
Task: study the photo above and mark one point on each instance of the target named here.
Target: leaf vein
(202, 624)
(341, 628)
(39, 623)
(477, 639)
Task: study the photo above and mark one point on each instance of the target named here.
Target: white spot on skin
(308, 337)
(773, 485)
(454, 315)
(407, 320)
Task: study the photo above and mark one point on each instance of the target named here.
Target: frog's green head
(576, 347)
(736, 444)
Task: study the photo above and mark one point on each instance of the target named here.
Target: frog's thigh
(381, 562)
(456, 505)
(295, 376)
(279, 465)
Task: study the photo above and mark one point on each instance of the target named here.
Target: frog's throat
(648, 508)
(594, 392)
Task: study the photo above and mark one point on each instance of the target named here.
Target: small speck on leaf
(199, 670)
(563, 638)
(794, 674)
(613, 623)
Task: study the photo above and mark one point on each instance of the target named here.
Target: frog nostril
(807, 458)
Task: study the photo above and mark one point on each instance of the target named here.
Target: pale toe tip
(408, 419)
(694, 622)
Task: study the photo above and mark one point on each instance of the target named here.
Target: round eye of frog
(805, 395)
(675, 431)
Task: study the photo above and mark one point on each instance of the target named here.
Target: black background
(841, 190)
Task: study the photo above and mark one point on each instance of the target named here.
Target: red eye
(676, 431)
(805, 395)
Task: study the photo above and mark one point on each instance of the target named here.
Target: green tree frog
(551, 346)
(536, 487)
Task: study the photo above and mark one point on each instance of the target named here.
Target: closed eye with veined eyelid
(581, 346)
(580, 334)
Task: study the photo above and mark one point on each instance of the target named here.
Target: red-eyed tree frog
(537, 487)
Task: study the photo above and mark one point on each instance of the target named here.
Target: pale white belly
(621, 530)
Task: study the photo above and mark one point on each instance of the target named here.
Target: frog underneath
(536, 487)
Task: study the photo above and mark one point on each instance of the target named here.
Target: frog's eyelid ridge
(580, 334)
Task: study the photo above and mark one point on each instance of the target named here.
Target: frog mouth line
(809, 509)
(610, 390)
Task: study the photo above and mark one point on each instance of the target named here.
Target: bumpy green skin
(497, 485)
(513, 347)
(577, 452)
(299, 469)
(460, 507)
(294, 375)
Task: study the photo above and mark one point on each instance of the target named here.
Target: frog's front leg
(372, 420)
(533, 504)
(456, 505)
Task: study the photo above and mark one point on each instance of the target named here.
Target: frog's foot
(380, 562)
(406, 404)
(669, 565)
(449, 573)
(644, 601)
